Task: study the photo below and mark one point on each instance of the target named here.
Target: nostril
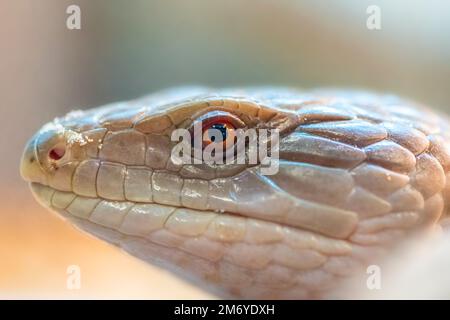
(57, 153)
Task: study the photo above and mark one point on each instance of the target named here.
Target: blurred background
(129, 48)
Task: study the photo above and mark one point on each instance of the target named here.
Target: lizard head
(341, 186)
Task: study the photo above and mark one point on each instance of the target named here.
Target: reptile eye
(57, 153)
(220, 132)
(218, 128)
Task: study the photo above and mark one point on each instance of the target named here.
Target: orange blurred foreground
(37, 247)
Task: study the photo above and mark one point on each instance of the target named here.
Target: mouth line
(112, 214)
(46, 196)
(161, 225)
(34, 185)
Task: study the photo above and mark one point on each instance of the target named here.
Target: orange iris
(220, 133)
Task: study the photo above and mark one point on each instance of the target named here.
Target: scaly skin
(358, 173)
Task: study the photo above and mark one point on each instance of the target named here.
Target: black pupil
(222, 128)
